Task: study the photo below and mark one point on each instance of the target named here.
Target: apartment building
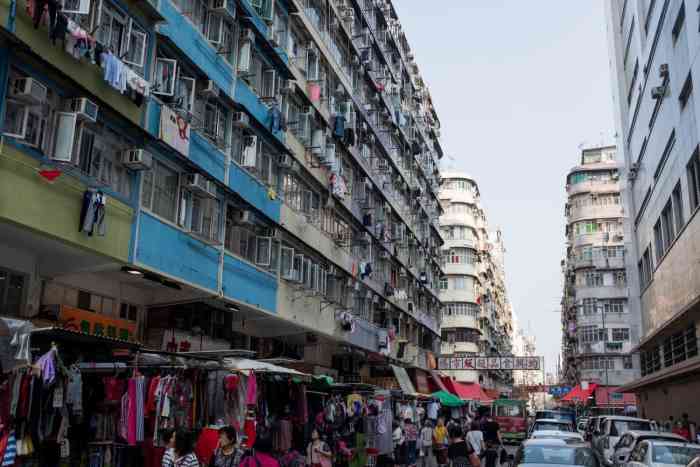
(600, 327)
(206, 175)
(654, 47)
(476, 314)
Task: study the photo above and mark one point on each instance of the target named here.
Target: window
(665, 156)
(461, 309)
(160, 187)
(620, 278)
(678, 208)
(693, 170)
(459, 283)
(645, 268)
(443, 283)
(686, 90)
(627, 362)
(633, 82)
(658, 241)
(589, 306)
(13, 286)
(461, 256)
(616, 305)
(650, 361)
(678, 24)
(200, 215)
(620, 334)
(128, 311)
(680, 346)
(592, 334)
(628, 43)
(123, 35)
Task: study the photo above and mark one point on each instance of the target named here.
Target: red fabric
(152, 455)
(114, 388)
(24, 396)
(435, 383)
(206, 444)
(151, 396)
(577, 394)
(609, 396)
(466, 391)
(231, 382)
(249, 430)
(131, 420)
(263, 460)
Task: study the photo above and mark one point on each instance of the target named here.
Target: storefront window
(12, 291)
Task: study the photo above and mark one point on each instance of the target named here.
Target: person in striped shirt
(180, 452)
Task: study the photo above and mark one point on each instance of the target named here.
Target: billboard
(476, 362)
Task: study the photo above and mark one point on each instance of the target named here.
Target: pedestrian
(460, 452)
(180, 452)
(476, 439)
(411, 435)
(492, 431)
(490, 454)
(425, 439)
(399, 443)
(668, 427)
(681, 430)
(168, 437)
(440, 441)
(227, 453)
(318, 454)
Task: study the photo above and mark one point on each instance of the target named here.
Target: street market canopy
(470, 392)
(245, 364)
(447, 399)
(578, 394)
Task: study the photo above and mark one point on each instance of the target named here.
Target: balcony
(602, 292)
(611, 211)
(593, 186)
(597, 262)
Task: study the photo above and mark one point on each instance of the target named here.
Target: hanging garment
(314, 92)
(92, 213)
(10, 453)
(74, 390)
(137, 83)
(339, 126)
(47, 366)
(251, 396)
(275, 118)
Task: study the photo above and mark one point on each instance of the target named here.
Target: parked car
(554, 452)
(629, 440)
(591, 426)
(662, 453)
(561, 414)
(550, 424)
(609, 432)
(555, 434)
(581, 427)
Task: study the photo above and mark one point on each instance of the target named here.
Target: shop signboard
(96, 324)
(476, 362)
(175, 130)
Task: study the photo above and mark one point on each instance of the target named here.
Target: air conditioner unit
(663, 70)
(137, 159)
(288, 87)
(224, 8)
(84, 108)
(210, 89)
(658, 92)
(241, 120)
(286, 162)
(246, 217)
(28, 90)
(197, 183)
(248, 35)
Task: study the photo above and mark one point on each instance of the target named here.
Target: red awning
(465, 391)
(609, 396)
(436, 383)
(578, 394)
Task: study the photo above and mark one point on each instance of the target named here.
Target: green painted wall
(87, 74)
(28, 200)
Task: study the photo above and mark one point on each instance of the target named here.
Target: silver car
(662, 453)
(551, 424)
(552, 434)
(610, 431)
(554, 453)
(629, 440)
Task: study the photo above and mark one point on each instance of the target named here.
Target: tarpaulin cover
(404, 381)
(578, 394)
(470, 392)
(447, 399)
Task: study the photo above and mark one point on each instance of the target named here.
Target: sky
(519, 86)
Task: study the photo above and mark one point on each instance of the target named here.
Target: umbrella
(447, 399)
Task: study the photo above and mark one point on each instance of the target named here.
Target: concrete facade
(476, 318)
(287, 202)
(654, 48)
(600, 328)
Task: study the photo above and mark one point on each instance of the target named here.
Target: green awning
(447, 399)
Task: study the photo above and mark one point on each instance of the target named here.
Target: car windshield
(621, 426)
(557, 455)
(551, 426)
(669, 454)
(509, 411)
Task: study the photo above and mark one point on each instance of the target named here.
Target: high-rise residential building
(600, 328)
(476, 317)
(654, 58)
(242, 174)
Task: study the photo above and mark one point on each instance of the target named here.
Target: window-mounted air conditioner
(84, 108)
(241, 120)
(286, 162)
(288, 87)
(658, 92)
(197, 183)
(248, 35)
(246, 217)
(137, 159)
(210, 89)
(28, 90)
(224, 8)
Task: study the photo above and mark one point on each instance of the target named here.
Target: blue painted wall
(207, 156)
(247, 284)
(254, 192)
(171, 251)
(196, 47)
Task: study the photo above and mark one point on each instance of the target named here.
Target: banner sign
(174, 130)
(472, 362)
(97, 324)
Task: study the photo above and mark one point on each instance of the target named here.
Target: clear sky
(518, 85)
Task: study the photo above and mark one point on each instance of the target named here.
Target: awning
(578, 394)
(492, 394)
(448, 400)
(404, 381)
(470, 392)
(244, 364)
(436, 383)
(610, 397)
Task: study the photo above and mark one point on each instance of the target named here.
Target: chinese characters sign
(97, 324)
(472, 362)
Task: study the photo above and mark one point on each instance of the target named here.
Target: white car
(662, 453)
(629, 441)
(610, 431)
(555, 434)
(551, 424)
